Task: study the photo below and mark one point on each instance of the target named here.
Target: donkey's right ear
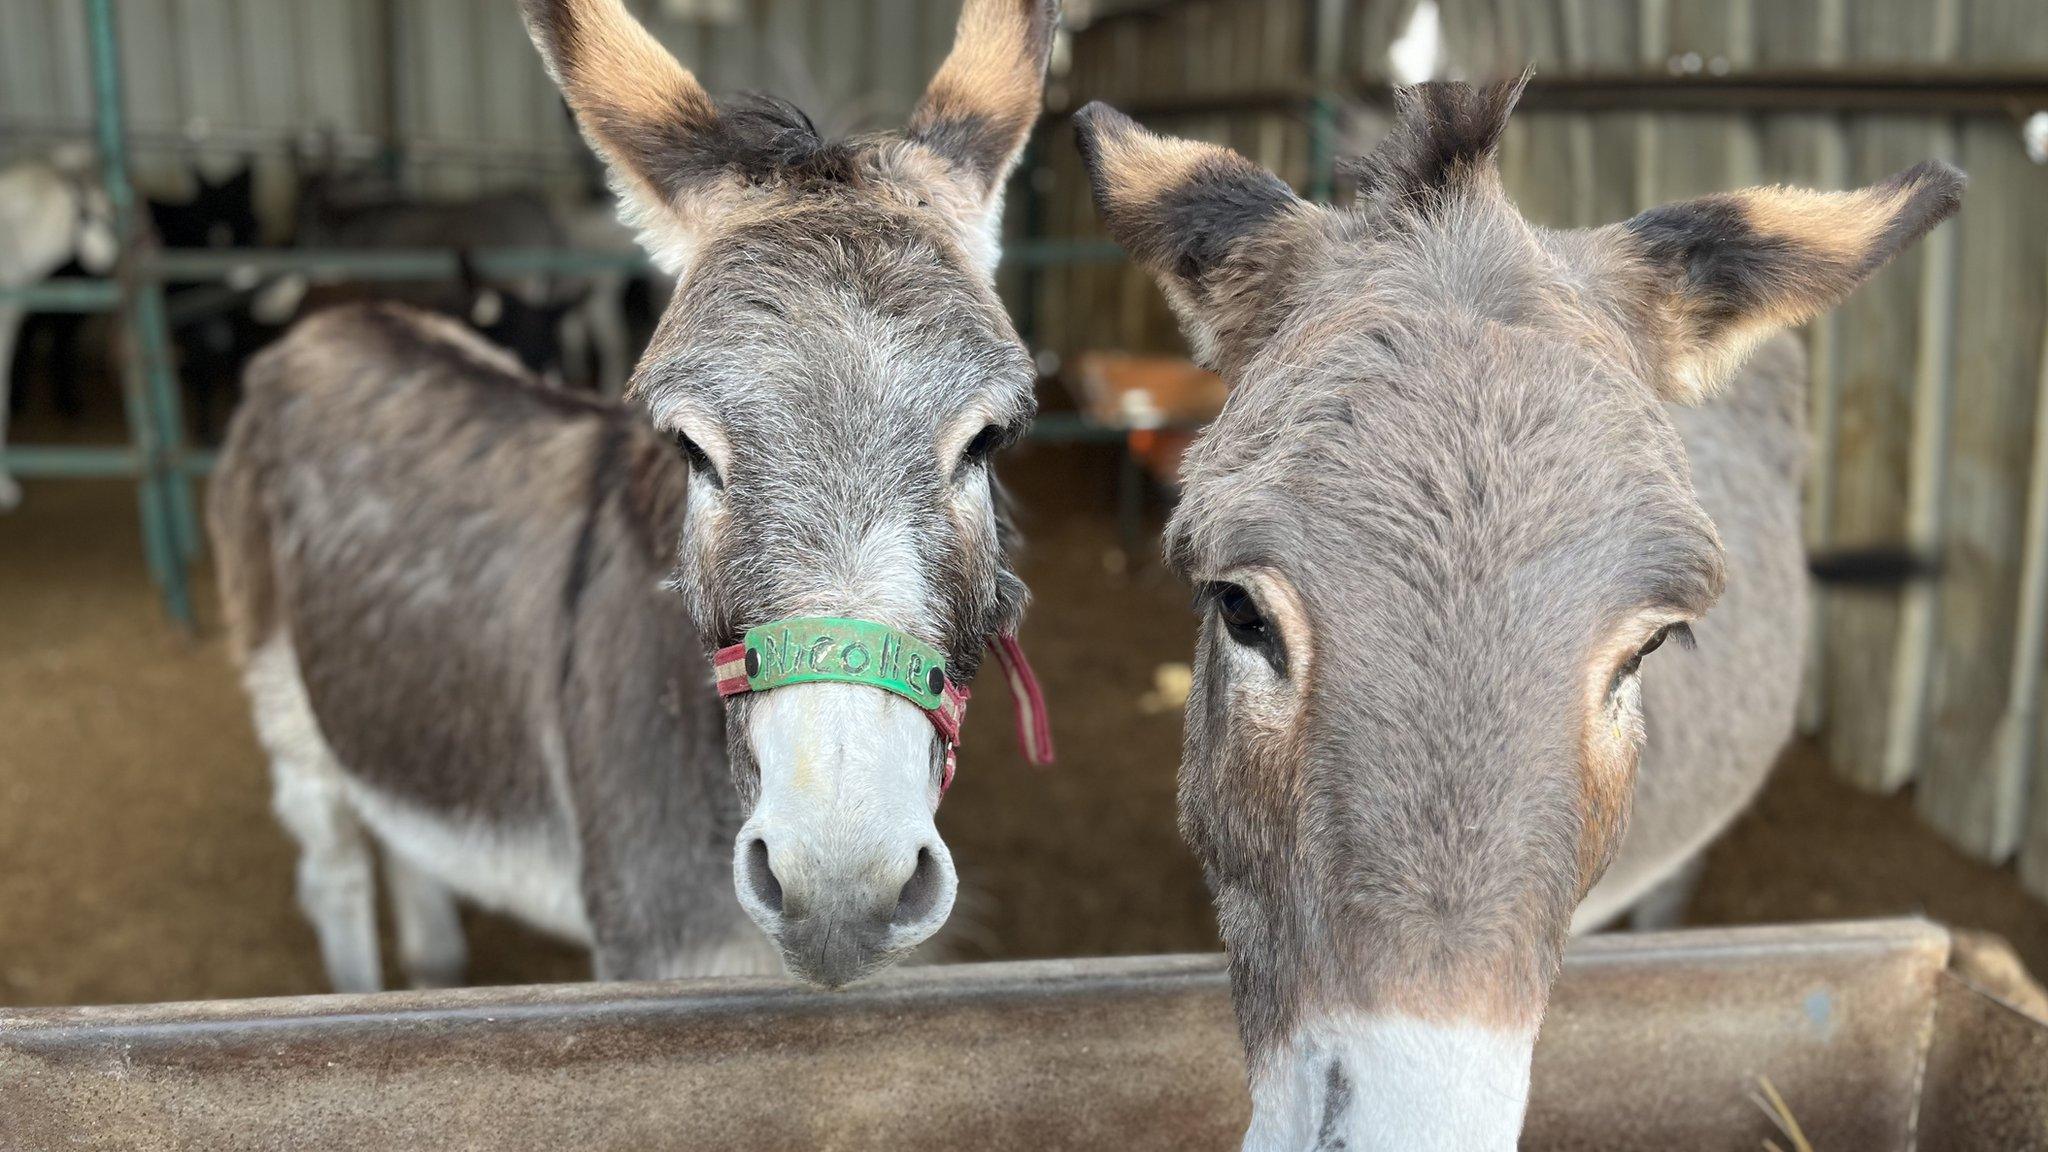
(1199, 218)
(655, 126)
(1725, 271)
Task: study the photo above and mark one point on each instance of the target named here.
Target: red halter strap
(1034, 729)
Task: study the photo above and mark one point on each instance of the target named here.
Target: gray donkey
(1463, 487)
(446, 582)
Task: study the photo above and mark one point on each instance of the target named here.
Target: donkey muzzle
(840, 862)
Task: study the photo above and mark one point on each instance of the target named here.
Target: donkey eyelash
(986, 443)
(982, 447)
(1682, 633)
(700, 462)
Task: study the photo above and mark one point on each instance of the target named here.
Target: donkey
(474, 614)
(1463, 487)
(50, 214)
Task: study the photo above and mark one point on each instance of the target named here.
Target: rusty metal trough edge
(1653, 1040)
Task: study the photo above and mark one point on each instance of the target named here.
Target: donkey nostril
(761, 878)
(921, 892)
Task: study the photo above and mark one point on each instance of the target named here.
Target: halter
(810, 649)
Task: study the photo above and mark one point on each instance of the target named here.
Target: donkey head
(1438, 526)
(838, 370)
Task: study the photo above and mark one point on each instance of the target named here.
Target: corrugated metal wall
(455, 79)
(1925, 383)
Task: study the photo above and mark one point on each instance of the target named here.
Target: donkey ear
(1726, 271)
(980, 108)
(979, 111)
(655, 126)
(1193, 215)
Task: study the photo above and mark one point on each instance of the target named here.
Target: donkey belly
(527, 872)
(521, 866)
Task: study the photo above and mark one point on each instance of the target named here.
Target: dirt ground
(139, 860)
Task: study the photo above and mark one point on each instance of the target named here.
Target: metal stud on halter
(810, 649)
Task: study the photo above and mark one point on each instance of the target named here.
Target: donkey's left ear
(1726, 271)
(1198, 217)
(979, 110)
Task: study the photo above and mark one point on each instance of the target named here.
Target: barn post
(2015, 745)
(1653, 47)
(1934, 384)
(1824, 353)
(170, 527)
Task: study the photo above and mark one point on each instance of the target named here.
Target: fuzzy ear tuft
(1726, 271)
(1445, 133)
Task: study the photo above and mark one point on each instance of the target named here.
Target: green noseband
(808, 649)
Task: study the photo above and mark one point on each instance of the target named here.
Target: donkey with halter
(1463, 486)
(477, 615)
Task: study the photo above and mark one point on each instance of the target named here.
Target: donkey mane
(768, 139)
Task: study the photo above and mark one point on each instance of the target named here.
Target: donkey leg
(337, 881)
(1664, 905)
(431, 948)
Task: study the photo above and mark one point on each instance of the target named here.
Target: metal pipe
(69, 294)
(1933, 388)
(1325, 53)
(240, 138)
(76, 461)
(1918, 91)
(2014, 745)
(1322, 149)
(1907, 92)
(203, 265)
(161, 491)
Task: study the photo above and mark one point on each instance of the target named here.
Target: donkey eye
(699, 462)
(1239, 611)
(1244, 622)
(983, 445)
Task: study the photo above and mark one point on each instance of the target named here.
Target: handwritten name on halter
(847, 651)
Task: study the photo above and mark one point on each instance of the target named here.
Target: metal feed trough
(1652, 1042)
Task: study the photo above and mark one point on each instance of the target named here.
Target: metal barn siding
(1925, 385)
(455, 81)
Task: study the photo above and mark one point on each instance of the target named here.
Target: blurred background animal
(213, 327)
(52, 213)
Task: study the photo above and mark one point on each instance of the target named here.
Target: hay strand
(1773, 1105)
